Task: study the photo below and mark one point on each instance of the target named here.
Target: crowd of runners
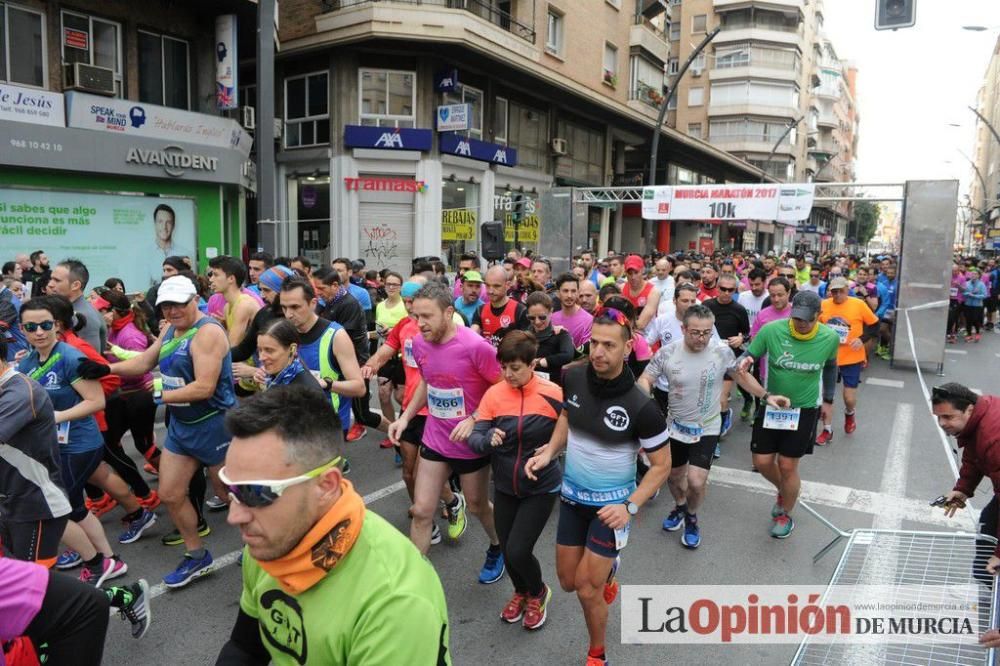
(504, 390)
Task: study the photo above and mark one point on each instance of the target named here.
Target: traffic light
(893, 14)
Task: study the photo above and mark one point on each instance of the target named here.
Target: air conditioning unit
(696, 71)
(89, 78)
(279, 129)
(248, 117)
(560, 146)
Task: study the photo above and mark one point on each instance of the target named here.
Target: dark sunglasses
(32, 326)
(538, 317)
(728, 290)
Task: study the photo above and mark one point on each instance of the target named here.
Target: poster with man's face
(114, 235)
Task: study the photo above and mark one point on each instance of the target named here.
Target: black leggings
(973, 318)
(362, 408)
(135, 413)
(519, 523)
(72, 622)
(954, 312)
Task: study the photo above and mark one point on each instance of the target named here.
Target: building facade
(982, 214)
(770, 89)
(375, 163)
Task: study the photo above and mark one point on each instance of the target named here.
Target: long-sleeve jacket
(975, 292)
(980, 444)
(526, 416)
(556, 349)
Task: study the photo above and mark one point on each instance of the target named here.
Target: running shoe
(188, 570)
(135, 528)
(691, 536)
(746, 411)
(673, 522)
(978, 337)
(727, 423)
(783, 526)
(216, 503)
(968, 338)
(101, 506)
(105, 570)
(718, 452)
(535, 610)
(175, 539)
(514, 610)
(611, 585)
(435, 534)
(596, 661)
(883, 353)
(356, 432)
(824, 437)
(850, 423)
(150, 501)
(457, 519)
(778, 508)
(493, 569)
(952, 339)
(386, 443)
(70, 559)
(399, 459)
(133, 605)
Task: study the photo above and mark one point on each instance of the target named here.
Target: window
(586, 152)
(699, 23)
(675, 31)
(750, 129)
(647, 81)
(610, 64)
(672, 103)
(93, 41)
(694, 130)
(554, 33)
(307, 110)
(754, 92)
(163, 70)
(698, 64)
(500, 121)
(696, 96)
(388, 98)
(22, 32)
(673, 66)
(474, 98)
(529, 133)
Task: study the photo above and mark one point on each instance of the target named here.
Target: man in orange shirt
(855, 323)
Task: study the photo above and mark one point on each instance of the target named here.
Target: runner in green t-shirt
(801, 358)
(325, 581)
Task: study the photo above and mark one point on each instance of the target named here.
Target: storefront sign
(737, 224)
(387, 138)
(527, 229)
(226, 70)
(117, 235)
(446, 81)
(723, 202)
(26, 105)
(458, 224)
(454, 117)
(806, 229)
(375, 184)
(123, 116)
(174, 160)
(76, 39)
(453, 144)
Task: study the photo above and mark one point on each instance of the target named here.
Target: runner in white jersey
(695, 368)
(456, 367)
(753, 299)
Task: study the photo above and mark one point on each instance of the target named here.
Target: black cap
(806, 305)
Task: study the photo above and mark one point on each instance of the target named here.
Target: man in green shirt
(799, 351)
(325, 581)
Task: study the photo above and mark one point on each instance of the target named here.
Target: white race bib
(689, 433)
(408, 354)
(621, 535)
(842, 332)
(445, 403)
(62, 432)
(172, 384)
(954, 292)
(781, 419)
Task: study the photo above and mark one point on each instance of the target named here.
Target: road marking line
(955, 351)
(837, 497)
(894, 473)
(230, 558)
(878, 381)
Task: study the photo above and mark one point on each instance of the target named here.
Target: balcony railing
(481, 8)
(643, 92)
(660, 32)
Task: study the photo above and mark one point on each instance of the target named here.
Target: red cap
(524, 261)
(100, 304)
(634, 263)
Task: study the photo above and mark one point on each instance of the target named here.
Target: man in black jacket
(732, 323)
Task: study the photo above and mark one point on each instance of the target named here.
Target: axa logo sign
(463, 149)
(500, 157)
(390, 140)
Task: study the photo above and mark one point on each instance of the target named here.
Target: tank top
(492, 323)
(177, 371)
(638, 300)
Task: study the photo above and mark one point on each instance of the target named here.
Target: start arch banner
(788, 202)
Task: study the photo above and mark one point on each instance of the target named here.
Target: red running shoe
(356, 432)
(101, 506)
(824, 437)
(850, 423)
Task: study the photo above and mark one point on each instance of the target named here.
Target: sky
(913, 82)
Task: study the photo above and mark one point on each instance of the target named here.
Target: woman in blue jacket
(975, 292)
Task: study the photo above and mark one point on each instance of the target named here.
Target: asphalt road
(859, 481)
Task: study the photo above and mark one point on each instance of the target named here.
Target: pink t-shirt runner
(769, 314)
(22, 588)
(457, 374)
(578, 325)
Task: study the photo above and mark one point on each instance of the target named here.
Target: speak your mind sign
(115, 235)
(784, 203)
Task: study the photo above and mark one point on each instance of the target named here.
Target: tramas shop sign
(786, 203)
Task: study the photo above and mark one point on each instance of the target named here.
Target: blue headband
(274, 276)
(409, 290)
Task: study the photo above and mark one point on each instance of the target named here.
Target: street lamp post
(792, 125)
(654, 150)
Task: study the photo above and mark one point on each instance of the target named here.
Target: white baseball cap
(175, 289)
